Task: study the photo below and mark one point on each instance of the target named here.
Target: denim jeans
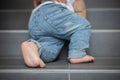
(52, 24)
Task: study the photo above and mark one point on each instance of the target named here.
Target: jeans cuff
(37, 44)
(76, 54)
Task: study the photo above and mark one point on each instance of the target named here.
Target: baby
(51, 23)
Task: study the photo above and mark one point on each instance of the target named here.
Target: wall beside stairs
(104, 16)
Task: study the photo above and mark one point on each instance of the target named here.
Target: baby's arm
(80, 7)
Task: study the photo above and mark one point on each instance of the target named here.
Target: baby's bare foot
(31, 56)
(85, 59)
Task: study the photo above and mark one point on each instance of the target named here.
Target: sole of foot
(31, 56)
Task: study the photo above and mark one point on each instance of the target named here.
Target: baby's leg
(79, 42)
(51, 48)
(31, 56)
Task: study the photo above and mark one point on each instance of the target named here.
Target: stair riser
(103, 3)
(95, 76)
(102, 44)
(33, 76)
(28, 4)
(60, 76)
(99, 19)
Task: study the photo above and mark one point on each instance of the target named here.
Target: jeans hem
(76, 54)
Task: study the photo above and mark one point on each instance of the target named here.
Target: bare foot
(85, 59)
(31, 56)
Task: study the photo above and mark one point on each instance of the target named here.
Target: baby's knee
(49, 57)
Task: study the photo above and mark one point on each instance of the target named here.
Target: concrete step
(100, 63)
(99, 18)
(103, 43)
(28, 4)
(107, 68)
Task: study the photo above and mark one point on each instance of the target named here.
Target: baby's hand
(36, 2)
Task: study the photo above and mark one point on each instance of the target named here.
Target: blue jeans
(52, 24)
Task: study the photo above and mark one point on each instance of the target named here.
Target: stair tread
(100, 63)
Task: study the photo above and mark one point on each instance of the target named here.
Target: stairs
(104, 16)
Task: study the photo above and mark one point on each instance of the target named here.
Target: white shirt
(68, 5)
